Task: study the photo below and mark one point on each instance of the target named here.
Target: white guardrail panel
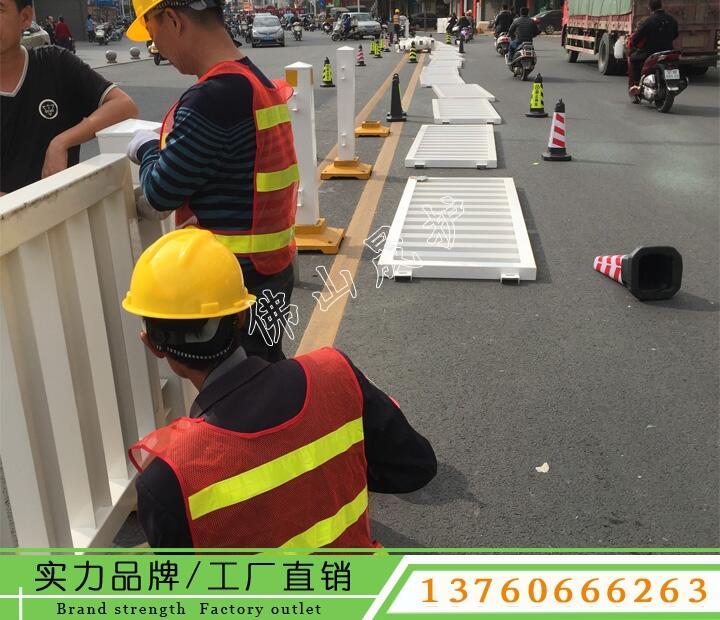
(78, 386)
(462, 91)
(453, 146)
(464, 112)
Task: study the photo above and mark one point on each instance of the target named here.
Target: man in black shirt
(503, 20)
(655, 34)
(522, 30)
(50, 103)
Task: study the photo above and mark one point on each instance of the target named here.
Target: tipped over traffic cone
(327, 77)
(648, 272)
(396, 114)
(537, 99)
(556, 145)
(360, 57)
(413, 53)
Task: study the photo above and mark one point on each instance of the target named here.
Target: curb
(119, 62)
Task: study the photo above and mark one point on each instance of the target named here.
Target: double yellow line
(323, 325)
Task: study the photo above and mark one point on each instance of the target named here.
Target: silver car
(266, 30)
(35, 36)
(367, 26)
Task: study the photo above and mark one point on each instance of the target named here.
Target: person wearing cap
(50, 103)
(271, 455)
(225, 158)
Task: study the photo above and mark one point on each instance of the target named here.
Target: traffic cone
(360, 57)
(648, 272)
(377, 48)
(327, 77)
(413, 53)
(396, 114)
(448, 39)
(537, 99)
(556, 145)
(386, 43)
(462, 45)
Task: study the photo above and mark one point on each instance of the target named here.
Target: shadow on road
(449, 485)
(688, 301)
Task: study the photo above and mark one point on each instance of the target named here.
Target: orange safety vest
(300, 484)
(396, 19)
(270, 243)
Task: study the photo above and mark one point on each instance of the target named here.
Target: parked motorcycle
(524, 61)
(102, 34)
(660, 81)
(502, 43)
(297, 31)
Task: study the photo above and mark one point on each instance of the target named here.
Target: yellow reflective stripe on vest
(275, 473)
(274, 181)
(269, 117)
(251, 244)
(330, 529)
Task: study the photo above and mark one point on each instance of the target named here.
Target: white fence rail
(78, 386)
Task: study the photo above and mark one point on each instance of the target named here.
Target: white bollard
(346, 165)
(302, 114)
(407, 27)
(345, 75)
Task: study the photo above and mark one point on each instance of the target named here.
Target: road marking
(323, 326)
(361, 116)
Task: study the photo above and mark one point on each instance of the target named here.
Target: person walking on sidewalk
(225, 159)
(271, 455)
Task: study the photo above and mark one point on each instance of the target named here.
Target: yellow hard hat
(397, 10)
(187, 274)
(137, 30)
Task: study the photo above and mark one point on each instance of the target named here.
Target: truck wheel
(607, 65)
(572, 55)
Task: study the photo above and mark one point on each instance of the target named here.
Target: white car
(367, 26)
(35, 36)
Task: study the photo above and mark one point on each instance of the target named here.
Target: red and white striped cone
(611, 266)
(360, 57)
(648, 272)
(556, 145)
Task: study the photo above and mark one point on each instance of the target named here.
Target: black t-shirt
(56, 92)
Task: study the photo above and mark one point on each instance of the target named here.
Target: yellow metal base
(347, 169)
(372, 129)
(318, 236)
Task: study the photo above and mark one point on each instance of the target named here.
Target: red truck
(600, 28)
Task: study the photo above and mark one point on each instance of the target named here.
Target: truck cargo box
(601, 7)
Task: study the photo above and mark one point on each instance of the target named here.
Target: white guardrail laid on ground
(78, 387)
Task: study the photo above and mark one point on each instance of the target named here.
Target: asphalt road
(619, 397)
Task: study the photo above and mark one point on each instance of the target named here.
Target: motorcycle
(524, 61)
(502, 43)
(102, 34)
(327, 28)
(660, 80)
(297, 31)
(340, 35)
(464, 33)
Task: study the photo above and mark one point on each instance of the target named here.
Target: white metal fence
(78, 386)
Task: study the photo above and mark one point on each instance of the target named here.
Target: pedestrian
(50, 103)
(63, 36)
(225, 159)
(49, 26)
(396, 24)
(90, 27)
(271, 455)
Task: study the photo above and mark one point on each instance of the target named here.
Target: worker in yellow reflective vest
(271, 455)
(225, 158)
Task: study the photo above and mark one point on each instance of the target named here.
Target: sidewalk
(94, 54)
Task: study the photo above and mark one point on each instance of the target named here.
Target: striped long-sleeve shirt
(209, 156)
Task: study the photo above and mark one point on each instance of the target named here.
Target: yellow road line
(323, 326)
(362, 115)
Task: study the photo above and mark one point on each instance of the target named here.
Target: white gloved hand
(141, 137)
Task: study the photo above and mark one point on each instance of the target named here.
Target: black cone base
(537, 114)
(395, 118)
(653, 272)
(556, 155)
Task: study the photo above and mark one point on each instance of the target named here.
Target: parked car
(424, 21)
(549, 21)
(35, 36)
(266, 30)
(367, 26)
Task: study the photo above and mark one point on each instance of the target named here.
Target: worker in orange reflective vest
(225, 158)
(271, 455)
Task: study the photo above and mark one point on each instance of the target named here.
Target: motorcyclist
(451, 23)
(522, 30)
(346, 24)
(463, 22)
(655, 34)
(503, 20)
